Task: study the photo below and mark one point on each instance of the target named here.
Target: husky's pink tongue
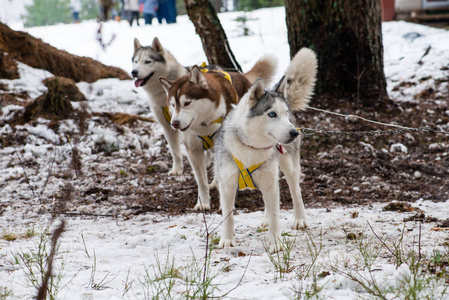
(138, 82)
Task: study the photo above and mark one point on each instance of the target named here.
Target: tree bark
(35, 53)
(347, 37)
(213, 37)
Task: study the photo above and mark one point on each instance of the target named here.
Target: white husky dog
(199, 102)
(149, 63)
(257, 138)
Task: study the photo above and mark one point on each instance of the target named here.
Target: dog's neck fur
(239, 146)
(208, 125)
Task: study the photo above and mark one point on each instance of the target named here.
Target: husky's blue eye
(272, 114)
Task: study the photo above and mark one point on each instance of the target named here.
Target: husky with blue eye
(257, 138)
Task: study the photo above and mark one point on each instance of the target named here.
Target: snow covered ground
(104, 258)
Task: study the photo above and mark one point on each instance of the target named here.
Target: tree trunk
(213, 37)
(347, 37)
(35, 53)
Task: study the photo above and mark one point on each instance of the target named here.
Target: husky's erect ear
(156, 45)
(256, 91)
(280, 86)
(166, 84)
(137, 44)
(197, 77)
(299, 79)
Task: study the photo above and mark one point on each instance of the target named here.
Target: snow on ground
(120, 251)
(106, 258)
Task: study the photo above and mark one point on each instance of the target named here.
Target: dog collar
(255, 148)
(278, 147)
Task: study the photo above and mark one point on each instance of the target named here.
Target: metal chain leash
(310, 132)
(402, 129)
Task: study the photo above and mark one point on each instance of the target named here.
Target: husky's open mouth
(187, 127)
(140, 82)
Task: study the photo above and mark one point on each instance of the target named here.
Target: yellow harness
(167, 114)
(245, 179)
(205, 70)
(208, 140)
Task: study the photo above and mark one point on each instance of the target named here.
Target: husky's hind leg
(291, 167)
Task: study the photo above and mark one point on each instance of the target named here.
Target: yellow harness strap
(208, 140)
(245, 179)
(226, 75)
(167, 114)
(205, 70)
(219, 120)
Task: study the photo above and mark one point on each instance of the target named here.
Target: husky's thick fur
(149, 63)
(258, 137)
(199, 102)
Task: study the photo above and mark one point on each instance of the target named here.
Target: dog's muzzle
(293, 135)
(140, 82)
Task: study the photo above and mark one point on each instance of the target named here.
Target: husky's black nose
(175, 124)
(134, 73)
(294, 133)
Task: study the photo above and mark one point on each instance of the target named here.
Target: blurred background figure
(75, 7)
(150, 8)
(132, 9)
(162, 11)
(122, 11)
(171, 11)
(105, 7)
(167, 11)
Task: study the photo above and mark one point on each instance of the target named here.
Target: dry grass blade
(42, 293)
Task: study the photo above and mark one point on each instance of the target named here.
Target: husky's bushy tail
(264, 69)
(299, 79)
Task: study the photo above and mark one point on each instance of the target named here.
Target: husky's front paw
(300, 224)
(226, 243)
(276, 246)
(264, 223)
(175, 172)
(202, 206)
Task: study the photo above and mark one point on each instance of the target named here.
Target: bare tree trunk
(213, 37)
(347, 37)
